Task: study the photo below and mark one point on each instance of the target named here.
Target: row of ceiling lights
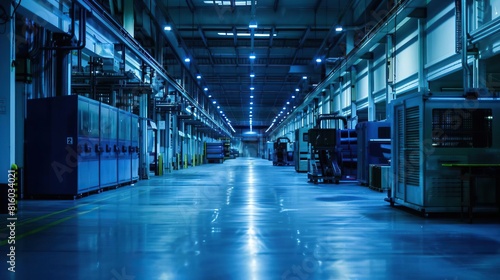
(285, 112)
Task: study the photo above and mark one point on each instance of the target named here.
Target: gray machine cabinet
(429, 131)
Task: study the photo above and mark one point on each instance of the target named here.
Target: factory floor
(244, 219)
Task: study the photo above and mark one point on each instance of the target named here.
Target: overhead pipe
(117, 30)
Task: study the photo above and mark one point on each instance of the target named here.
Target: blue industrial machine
(282, 151)
(134, 147)
(347, 142)
(124, 144)
(72, 146)
(324, 154)
(374, 147)
(445, 152)
(301, 149)
(108, 167)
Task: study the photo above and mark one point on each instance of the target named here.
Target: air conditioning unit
(171, 99)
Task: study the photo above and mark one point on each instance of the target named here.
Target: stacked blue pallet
(75, 145)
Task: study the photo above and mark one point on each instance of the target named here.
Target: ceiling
(285, 66)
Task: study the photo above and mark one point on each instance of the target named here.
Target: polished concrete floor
(244, 219)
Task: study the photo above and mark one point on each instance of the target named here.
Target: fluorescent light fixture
(205, 89)
(252, 75)
(281, 112)
(304, 77)
(198, 76)
(252, 24)
(339, 28)
(251, 108)
(167, 27)
(210, 96)
(228, 3)
(288, 103)
(246, 34)
(187, 59)
(220, 112)
(251, 103)
(214, 102)
(251, 116)
(251, 96)
(252, 88)
(318, 60)
(218, 107)
(293, 96)
(252, 56)
(251, 112)
(297, 89)
(284, 108)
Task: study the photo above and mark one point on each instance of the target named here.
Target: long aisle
(244, 219)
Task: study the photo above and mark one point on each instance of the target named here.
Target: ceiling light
(205, 89)
(214, 102)
(293, 96)
(281, 112)
(187, 59)
(251, 108)
(210, 96)
(167, 27)
(252, 24)
(288, 103)
(251, 116)
(297, 89)
(218, 107)
(252, 88)
(339, 28)
(220, 112)
(284, 108)
(251, 112)
(198, 76)
(252, 56)
(251, 96)
(318, 60)
(252, 75)
(251, 103)
(304, 77)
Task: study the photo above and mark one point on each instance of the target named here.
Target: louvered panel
(412, 143)
(401, 142)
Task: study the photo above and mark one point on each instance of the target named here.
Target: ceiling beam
(205, 42)
(301, 43)
(191, 6)
(316, 6)
(276, 4)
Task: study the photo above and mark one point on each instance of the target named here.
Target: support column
(389, 93)
(422, 79)
(372, 112)
(354, 97)
(144, 157)
(168, 143)
(7, 96)
(128, 16)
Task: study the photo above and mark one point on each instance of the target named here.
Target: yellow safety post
(160, 165)
(185, 161)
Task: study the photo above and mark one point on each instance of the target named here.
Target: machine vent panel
(455, 128)
(446, 187)
(412, 146)
(401, 142)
